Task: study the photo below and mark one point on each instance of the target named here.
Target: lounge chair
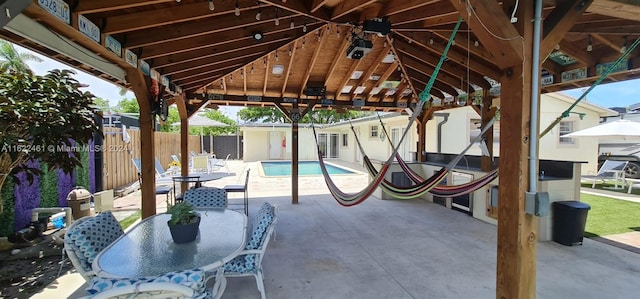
(610, 170)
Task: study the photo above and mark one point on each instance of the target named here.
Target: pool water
(283, 168)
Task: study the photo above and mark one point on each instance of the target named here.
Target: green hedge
(8, 215)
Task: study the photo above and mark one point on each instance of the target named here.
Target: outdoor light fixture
(304, 26)
(624, 46)
(589, 45)
(291, 26)
(211, 6)
(258, 36)
(277, 20)
(259, 14)
(237, 11)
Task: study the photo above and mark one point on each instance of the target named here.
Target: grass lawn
(610, 216)
(126, 222)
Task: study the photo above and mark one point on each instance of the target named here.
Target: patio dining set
(146, 262)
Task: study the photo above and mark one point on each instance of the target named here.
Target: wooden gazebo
(295, 55)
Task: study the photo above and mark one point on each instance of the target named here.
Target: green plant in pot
(184, 223)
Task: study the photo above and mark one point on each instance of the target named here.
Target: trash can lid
(78, 193)
(573, 204)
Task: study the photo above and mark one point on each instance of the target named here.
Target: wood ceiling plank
(164, 16)
(461, 40)
(617, 9)
(212, 51)
(396, 7)
(220, 64)
(213, 61)
(336, 61)
(317, 4)
(614, 30)
(298, 7)
(244, 78)
(266, 73)
(176, 32)
(204, 80)
(387, 73)
(314, 58)
(579, 52)
(556, 25)
(431, 11)
(370, 69)
(347, 7)
(437, 48)
(95, 6)
(229, 67)
(418, 74)
(354, 66)
(426, 69)
(488, 19)
(448, 68)
(608, 42)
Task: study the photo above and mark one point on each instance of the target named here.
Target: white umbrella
(202, 121)
(616, 129)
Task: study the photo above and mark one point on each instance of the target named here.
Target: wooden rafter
(299, 8)
(432, 11)
(223, 63)
(387, 73)
(95, 6)
(487, 19)
(314, 58)
(350, 6)
(557, 24)
(396, 7)
(369, 71)
(287, 70)
(267, 66)
(354, 66)
(336, 60)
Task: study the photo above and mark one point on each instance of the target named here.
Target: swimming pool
(283, 168)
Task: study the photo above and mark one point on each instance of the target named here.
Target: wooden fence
(118, 169)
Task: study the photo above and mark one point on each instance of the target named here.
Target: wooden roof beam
(213, 51)
(314, 58)
(166, 16)
(432, 12)
(266, 73)
(195, 77)
(461, 59)
(299, 8)
(212, 61)
(317, 4)
(95, 6)
(558, 22)
(617, 9)
(444, 84)
(606, 41)
(337, 59)
(387, 73)
(185, 30)
(396, 7)
(461, 41)
(422, 81)
(347, 7)
(354, 66)
(226, 38)
(370, 69)
(287, 70)
(579, 52)
(489, 14)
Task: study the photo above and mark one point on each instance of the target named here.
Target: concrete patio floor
(403, 249)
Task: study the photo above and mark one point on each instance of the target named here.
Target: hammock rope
(609, 70)
(347, 199)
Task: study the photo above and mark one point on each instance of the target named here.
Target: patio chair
(201, 164)
(86, 237)
(610, 170)
(217, 163)
(209, 197)
(165, 173)
(177, 284)
(243, 189)
(249, 261)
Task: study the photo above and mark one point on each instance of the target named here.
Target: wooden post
(294, 157)
(486, 163)
(517, 231)
(184, 138)
(422, 120)
(147, 141)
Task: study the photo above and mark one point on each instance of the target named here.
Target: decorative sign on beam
(575, 74)
(113, 45)
(289, 100)
(58, 8)
(254, 98)
(131, 58)
(547, 78)
(358, 102)
(215, 96)
(601, 68)
(88, 28)
(561, 58)
(145, 68)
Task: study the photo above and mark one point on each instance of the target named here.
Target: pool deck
(391, 249)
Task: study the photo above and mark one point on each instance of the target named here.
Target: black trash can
(569, 220)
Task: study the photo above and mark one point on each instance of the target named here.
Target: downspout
(535, 98)
(444, 121)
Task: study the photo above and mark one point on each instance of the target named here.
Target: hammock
(411, 192)
(429, 185)
(347, 199)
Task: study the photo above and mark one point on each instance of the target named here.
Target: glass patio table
(148, 249)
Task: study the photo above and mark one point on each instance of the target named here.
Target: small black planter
(184, 233)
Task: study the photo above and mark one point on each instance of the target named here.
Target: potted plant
(184, 223)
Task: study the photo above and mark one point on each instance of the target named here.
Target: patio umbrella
(202, 122)
(622, 129)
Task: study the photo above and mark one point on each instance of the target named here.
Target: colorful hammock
(347, 199)
(423, 186)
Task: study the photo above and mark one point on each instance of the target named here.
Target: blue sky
(619, 94)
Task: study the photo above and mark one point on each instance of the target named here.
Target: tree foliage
(13, 61)
(128, 106)
(44, 118)
(273, 115)
(219, 116)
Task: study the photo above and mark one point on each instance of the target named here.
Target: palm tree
(13, 61)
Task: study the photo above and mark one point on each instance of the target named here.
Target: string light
(303, 42)
(589, 45)
(318, 32)
(290, 50)
(431, 41)
(259, 14)
(251, 71)
(476, 43)
(304, 26)
(624, 46)
(276, 55)
(237, 12)
(211, 6)
(277, 20)
(231, 78)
